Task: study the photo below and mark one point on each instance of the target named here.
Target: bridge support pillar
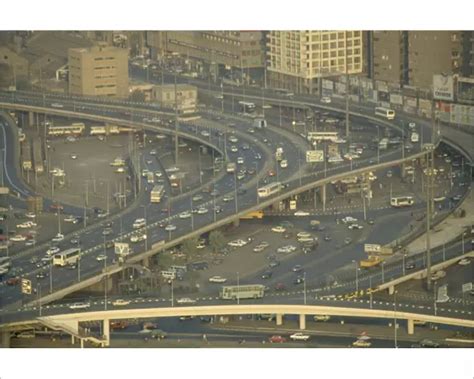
(279, 319)
(5, 339)
(236, 223)
(146, 262)
(323, 196)
(31, 118)
(82, 343)
(106, 329)
(72, 340)
(391, 290)
(411, 326)
(302, 322)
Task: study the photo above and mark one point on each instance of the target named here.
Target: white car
(348, 219)
(52, 250)
(101, 257)
(233, 139)
(138, 237)
(186, 300)
(326, 100)
(73, 156)
(237, 243)
(234, 149)
(321, 318)
(170, 227)
(303, 235)
(58, 237)
(205, 133)
(301, 213)
(70, 218)
(355, 226)
(119, 170)
(464, 262)
(185, 214)
(284, 163)
(202, 211)
(18, 238)
(240, 160)
(120, 302)
(80, 306)
(26, 224)
(217, 279)
(139, 223)
(30, 215)
(278, 229)
(299, 337)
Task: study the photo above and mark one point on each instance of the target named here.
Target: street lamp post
(370, 296)
(145, 228)
(395, 318)
(357, 275)
(51, 276)
(172, 293)
(304, 287)
(106, 283)
(235, 193)
(383, 272)
(403, 263)
(39, 299)
(192, 215)
(79, 262)
(238, 289)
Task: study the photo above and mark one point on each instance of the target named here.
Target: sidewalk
(448, 229)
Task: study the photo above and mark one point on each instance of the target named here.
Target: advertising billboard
(443, 87)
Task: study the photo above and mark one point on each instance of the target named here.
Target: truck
(371, 261)
(249, 291)
(157, 193)
(231, 166)
(279, 154)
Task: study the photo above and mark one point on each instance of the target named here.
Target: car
(237, 243)
(280, 287)
(323, 318)
(267, 275)
(428, 343)
(197, 197)
(205, 133)
(259, 248)
(13, 281)
(301, 213)
(271, 173)
(464, 262)
(438, 275)
(120, 302)
(227, 198)
(185, 214)
(69, 218)
(371, 221)
(347, 240)
(277, 339)
(18, 238)
(186, 300)
(240, 160)
(325, 100)
(355, 226)
(297, 268)
(258, 156)
(410, 266)
(278, 229)
(30, 215)
(139, 223)
(107, 231)
(348, 220)
(170, 227)
(327, 238)
(217, 279)
(80, 305)
(299, 337)
(274, 263)
(303, 235)
(58, 237)
(299, 280)
(153, 152)
(361, 343)
(389, 174)
(31, 242)
(138, 237)
(234, 149)
(202, 211)
(52, 250)
(101, 257)
(73, 156)
(218, 209)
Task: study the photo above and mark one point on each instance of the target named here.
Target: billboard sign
(26, 286)
(372, 248)
(313, 156)
(121, 249)
(443, 87)
(328, 84)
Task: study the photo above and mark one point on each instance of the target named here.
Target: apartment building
(389, 56)
(297, 60)
(98, 71)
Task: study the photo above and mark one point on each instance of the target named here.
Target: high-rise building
(297, 60)
(98, 71)
(388, 51)
(238, 49)
(433, 52)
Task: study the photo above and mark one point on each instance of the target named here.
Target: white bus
(231, 166)
(157, 193)
(269, 189)
(322, 136)
(383, 144)
(402, 201)
(415, 137)
(389, 114)
(67, 257)
(75, 129)
(246, 107)
(250, 291)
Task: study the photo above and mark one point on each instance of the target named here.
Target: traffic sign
(314, 156)
(26, 286)
(466, 287)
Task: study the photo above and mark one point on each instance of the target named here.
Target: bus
(269, 189)
(322, 136)
(74, 129)
(402, 201)
(67, 257)
(246, 107)
(156, 194)
(107, 130)
(414, 137)
(250, 291)
(389, 114)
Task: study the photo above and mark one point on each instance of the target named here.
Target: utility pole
(429, 172)
(176, 120)
(347, 89)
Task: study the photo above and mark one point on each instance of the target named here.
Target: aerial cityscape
(236, 189)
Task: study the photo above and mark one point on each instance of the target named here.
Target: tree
(189, 246)
(216, 240)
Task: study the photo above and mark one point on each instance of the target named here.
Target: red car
(277, 339)
(13, 281)
(280, 287)
(271, 173)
